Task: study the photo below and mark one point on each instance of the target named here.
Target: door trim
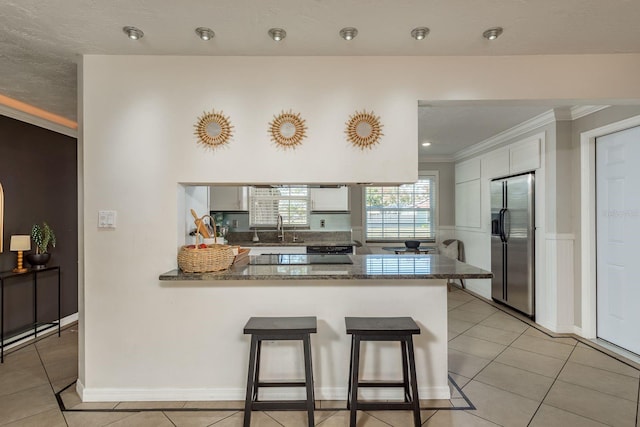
(588, 219)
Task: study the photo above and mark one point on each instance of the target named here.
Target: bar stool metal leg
(353, 340)
(256, 377)
(355, 363)
(308, 374)
(405, 370)
(250, 382)
(414, 384)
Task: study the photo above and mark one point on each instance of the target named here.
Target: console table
(33, 273)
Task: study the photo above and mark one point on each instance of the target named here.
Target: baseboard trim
(221, 394)
(29, 338)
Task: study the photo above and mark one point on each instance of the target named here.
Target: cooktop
(299, 259)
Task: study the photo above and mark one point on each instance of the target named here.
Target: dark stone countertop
(289, 243)
(392, 267)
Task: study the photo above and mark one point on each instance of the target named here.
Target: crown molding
(578, 111)
(37, 121)
(563, 114)
(524, 127)
(436, 159)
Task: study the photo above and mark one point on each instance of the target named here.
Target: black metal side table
(34, 273)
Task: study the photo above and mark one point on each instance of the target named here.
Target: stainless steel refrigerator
(512, 242)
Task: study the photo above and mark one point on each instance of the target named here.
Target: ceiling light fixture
(492, 33)
(348, 33)
(205, 33)
(419, 33)
(426, 144)
(277, 34)
(133, 33)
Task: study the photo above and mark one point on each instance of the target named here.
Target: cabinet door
(468, 204)
(330, 199)
(228, 198)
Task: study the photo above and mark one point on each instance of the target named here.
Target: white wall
(137, 138)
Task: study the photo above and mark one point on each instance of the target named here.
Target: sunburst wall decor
(364, 129)
(287, 129)
(214, 129)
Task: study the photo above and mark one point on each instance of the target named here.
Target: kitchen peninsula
(366, 285)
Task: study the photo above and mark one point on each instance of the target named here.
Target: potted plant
(43, 237)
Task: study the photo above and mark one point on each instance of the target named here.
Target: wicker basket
(212, 258)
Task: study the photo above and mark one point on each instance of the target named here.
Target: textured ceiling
(41, 41)
(450, 129)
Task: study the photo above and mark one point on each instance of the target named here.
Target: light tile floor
(514, 374)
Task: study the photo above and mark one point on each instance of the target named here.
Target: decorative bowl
(412, 244)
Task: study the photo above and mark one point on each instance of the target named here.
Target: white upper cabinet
(468, 170)
(524, 156)
(228, 198)
(330, 199)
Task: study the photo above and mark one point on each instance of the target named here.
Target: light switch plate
(107, 219)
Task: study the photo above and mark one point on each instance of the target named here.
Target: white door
(618, 238)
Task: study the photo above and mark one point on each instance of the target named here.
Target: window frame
(434, 210)
(286, 218)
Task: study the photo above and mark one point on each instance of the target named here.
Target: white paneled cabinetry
(330, 199)
(229, 198)
(262, 250)
(468, 194)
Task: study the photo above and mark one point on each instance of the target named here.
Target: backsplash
(239, 221)
(305, 236)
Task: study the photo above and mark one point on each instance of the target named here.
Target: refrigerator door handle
(503, 238)
(506, 224)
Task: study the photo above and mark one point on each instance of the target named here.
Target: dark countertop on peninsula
(298, 243)
(403, 267)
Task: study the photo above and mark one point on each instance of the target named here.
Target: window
(401, 212)
(290, 201)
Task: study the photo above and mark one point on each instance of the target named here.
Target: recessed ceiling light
(492, 33)
(205, 33)
(277, 34)
(133, 33)
(348, 33)
(426, 144)
(419, 33)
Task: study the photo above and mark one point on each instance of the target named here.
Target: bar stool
(277, 329)
(399, 329)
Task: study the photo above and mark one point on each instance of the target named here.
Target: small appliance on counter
(330, 249)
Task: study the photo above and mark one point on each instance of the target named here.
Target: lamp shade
(20, 242)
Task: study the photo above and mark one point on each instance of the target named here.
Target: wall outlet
(322, 223)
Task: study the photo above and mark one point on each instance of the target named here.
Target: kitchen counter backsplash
(321, 222)
(303, 236)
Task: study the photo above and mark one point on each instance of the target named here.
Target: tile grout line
(276, 421)
(576, 385)
(638, 406)
(46, 372)
(478, 373)
(170, 420)
(552, 384)
(222, 419)
(536, 326)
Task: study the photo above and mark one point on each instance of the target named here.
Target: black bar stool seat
(399, 329)
(279, 329)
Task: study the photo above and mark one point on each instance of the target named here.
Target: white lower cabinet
(262, 250)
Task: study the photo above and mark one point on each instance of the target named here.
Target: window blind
(401, 212)
(290, 201)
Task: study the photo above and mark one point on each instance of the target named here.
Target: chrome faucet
(280, 228)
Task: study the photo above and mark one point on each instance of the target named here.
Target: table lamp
(20, 243)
